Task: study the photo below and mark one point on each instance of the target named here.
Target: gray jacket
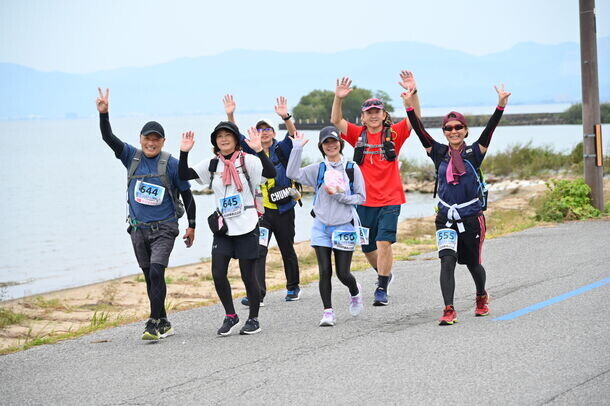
(331, 210)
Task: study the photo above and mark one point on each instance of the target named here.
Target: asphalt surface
(557, 355)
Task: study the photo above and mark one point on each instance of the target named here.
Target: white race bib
(447, 239)
(231, 206)
(344, 240)
(363, 235)
(263, 238)
(148, 193)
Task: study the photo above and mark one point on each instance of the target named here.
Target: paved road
(557, 355)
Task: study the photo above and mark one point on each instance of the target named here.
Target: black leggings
(156, 289)
(220, 269)
(448, 278)
(343, 262)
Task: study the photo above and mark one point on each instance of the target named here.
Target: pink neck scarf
(230, 172)
(455, 168)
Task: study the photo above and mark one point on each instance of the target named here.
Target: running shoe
(328, 318)
(381, 297)
(228, 325)
(151, 331)
(449, 316)
(246, 302)
(165, 328)
(481, 308)
(356, 303)
(252, 326)
(293, 295)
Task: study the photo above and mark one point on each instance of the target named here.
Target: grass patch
(169, 280)
(503, 221)
(9, 317)
(99, 321)
(50, 304)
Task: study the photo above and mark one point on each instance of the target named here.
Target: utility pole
(591, 117)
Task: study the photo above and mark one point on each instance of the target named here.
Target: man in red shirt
(376, 148)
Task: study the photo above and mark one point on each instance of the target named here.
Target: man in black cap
(153, 187)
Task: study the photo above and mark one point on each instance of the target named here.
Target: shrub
(573, 115)
(566, 200)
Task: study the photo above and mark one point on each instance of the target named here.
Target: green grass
(9, 317)
(518, 161)
(50, 304)
(99, 321)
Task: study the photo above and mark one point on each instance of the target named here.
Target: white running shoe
(328, 319)
(355, 303)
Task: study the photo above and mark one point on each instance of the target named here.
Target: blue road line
(553, 300)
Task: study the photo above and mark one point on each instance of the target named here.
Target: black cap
(329, 132)
(152, 127)
(225, 125)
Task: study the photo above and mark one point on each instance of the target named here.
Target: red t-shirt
(381, 177)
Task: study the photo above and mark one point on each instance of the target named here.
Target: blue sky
(86, 36)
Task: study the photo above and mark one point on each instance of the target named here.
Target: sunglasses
(449, 128)
(370, 103)
(264, 129)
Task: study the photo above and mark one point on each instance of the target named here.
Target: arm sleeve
(425, 138)
(189, 206)
(109, 138)
(359, 195)
(184, 172)
(306, 176)
(485, 137)
(268, 168)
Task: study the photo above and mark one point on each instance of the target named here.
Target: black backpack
(174, 193)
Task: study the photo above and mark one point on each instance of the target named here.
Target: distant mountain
(534, 73)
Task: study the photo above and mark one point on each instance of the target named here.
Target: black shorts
(244, 246)
(470, 242)
(154, 245)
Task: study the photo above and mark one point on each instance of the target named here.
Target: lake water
(64, 196)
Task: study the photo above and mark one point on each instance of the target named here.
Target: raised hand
(407, 98)
(407, 80)
(229, 103)
(343, 87)
(254, 139)
(502, 95)
(281, 108)
(187, 141)
(102, 101)
(299, 137)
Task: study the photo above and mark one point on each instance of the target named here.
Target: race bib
(263, 238)
(148, 193)
(231, 206)
(344, 240)
(363, 234)
(446, 239)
